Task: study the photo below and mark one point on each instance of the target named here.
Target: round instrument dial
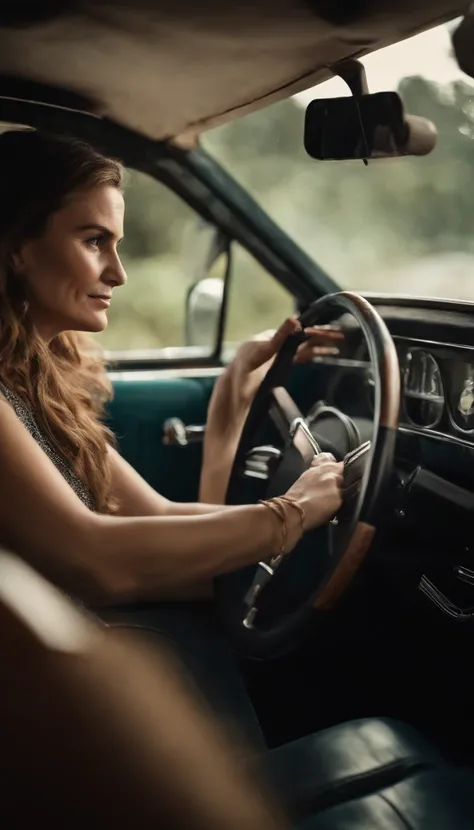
(461, 397)
(423, 389)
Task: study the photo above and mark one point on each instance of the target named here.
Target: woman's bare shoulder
(38, 509)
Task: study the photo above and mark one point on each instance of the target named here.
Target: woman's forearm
(218, 457)
(215, 475)
(225, 419)
(138, 558)
(192, 508)
(195, 590)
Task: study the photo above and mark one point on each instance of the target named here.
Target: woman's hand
(236, 388)
(319, 490)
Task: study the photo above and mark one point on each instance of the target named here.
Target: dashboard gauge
(423, 389)
(461, 397)
(466, 399)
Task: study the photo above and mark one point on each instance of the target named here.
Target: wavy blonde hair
(64, 381)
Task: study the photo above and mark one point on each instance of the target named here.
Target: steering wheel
(257, 605)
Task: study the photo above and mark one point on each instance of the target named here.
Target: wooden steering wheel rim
(384, 359)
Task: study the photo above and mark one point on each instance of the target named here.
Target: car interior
(357, 658)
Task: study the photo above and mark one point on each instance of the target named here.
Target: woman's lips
(103, 302)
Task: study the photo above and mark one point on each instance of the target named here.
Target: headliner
(172, 69)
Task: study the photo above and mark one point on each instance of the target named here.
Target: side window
(149, 311)
(256, 300)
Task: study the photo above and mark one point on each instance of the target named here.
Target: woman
(68, 502)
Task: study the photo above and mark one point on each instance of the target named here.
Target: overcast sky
(428, 54)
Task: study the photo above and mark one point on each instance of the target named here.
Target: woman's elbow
(93, 572)
(107, 587)
(100, 581)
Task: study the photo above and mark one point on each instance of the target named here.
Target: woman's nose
(115, 274)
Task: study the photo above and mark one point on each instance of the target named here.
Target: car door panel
(137, 415)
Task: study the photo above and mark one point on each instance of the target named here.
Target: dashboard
(437, 387)
(435, 346)
(427, 533)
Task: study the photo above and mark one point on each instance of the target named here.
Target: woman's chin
(95, 323)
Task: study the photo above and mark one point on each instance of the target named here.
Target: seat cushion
(439, 799)
(348, 761)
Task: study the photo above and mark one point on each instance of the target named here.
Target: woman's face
(72, 269)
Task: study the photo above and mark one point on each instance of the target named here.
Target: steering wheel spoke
(283, 411)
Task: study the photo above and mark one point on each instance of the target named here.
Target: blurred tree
(154, 218)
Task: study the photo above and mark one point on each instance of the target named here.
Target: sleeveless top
(27, 419)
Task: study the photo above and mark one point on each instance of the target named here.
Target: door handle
(177, 434)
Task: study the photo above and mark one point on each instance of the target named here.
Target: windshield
(400, 226)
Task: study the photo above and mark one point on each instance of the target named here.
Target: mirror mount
(353, 74)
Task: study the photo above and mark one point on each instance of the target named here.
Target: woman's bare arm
(105, 559)
(135, 497)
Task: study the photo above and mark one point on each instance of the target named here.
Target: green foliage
(154, 218)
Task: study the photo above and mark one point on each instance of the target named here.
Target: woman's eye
(94, 241)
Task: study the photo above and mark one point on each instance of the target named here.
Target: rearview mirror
(365, 127)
